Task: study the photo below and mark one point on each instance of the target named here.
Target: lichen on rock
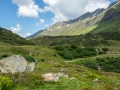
(12, 64)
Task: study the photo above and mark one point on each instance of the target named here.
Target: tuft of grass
(5, 83)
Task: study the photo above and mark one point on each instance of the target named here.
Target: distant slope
(81, 25)
(7, 36)
(111, 20)
(72, 27)
(98, 21)
(35, 34)
(87, 40)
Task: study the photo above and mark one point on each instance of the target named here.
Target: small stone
(72, 78)
(66, 76)
(30, 67)
(116, 88)
(61, 70)
(95, 80)
(60, 74)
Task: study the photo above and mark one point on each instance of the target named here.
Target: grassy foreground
(48, 61)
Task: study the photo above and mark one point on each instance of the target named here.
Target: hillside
(48, 61)
(111, 20)
(103, 39)
(79, 54)
(98, 21)
(7, 36)
(81, 70)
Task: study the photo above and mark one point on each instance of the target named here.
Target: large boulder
(12, 64)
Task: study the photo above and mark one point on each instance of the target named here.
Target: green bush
(55, 55)
(5, 55)
(71, 52)
(91, 64)
(66, 54)
(73, 46)
(43, 60)
(60, 48)
(108, 64)
(29, 58)
(105, 49)
(5, 83)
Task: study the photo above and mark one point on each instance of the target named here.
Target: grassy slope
(107, 27)
(84, 76)
(74, 29)
(39, 52)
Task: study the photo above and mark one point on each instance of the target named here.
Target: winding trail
(93, 57)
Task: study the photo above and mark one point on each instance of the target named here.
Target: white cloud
(70, 9)
(40, 22)
(27, 8)
(16, 29)
(25, 35)
(92, 5)
(62, 9)
(28, 34)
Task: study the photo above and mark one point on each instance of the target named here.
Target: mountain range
(101, 20)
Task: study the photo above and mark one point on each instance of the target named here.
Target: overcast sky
(26, 17)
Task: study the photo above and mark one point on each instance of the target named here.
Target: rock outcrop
(12, 64)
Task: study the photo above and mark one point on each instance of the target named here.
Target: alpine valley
(78, 54)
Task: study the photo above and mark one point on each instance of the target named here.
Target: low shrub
(29, 80)
(105, 49)
(93, 76)
(91, 64)
(55, 55)
(42, 60)
(73, 52)
(108, 64)
(5, 83)
(5, 55)
(29, 58)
